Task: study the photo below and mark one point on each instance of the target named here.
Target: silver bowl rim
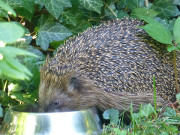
(11, 109)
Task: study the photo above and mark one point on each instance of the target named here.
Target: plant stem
(5, 85)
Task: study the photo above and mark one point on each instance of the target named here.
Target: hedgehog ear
(43, 69)
(47, 59)
(73, 84)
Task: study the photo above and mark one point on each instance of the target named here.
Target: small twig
(8, 19)
(50, 50)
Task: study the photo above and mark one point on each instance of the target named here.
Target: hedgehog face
(56, 96)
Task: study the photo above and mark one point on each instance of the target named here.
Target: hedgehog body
(108, 66)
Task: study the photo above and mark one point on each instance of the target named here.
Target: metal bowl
(25, 120)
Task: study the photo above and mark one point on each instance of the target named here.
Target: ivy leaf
(159, 32)
(176, 2)
(173, 121)
(169, 112)
(3, 13)
(111, 11)
(14, 3)
(144, 12)
(1, 111)
(55, 7)
(25, 13)
(112, 115)
(81, 26)
(121, 14)
(10, 32)
(4, 98)
(147, 110)
(7, 8)
(131, 4)
(176, 30)
(93, 5)
(69, 18)
(165, 8)
(28, 5)
(50, 31)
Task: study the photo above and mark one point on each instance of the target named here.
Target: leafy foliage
(55, 7)
(112, 115)
(50, 31)
(12, 36)
(94, 5)
(146, 121)
(1, 111)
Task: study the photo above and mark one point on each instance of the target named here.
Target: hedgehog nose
(41, 110)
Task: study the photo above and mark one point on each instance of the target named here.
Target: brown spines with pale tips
(113, 65)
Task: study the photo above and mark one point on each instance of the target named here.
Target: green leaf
(135, 116)
(111, 11)
(25, 13)
(168, 24)
(92, 5)
(7, 8)
(170, 48)
(12, 51)
(169, 112)
(8, 71)
(50, 31)
(178, 98)
(81, 26)
(144, 12)
(147, 110)
(164, 133)
(19, 96)
(112, 115)
(119, 132)
(11, 67)
(159, 32)
(55, 7)
(14, 3)
(28, 5)
(131, 4)
(10, 32)
(3, 13)
(16, 65)
(69, 18)
(121, 14)
(165, 8)
(176, 2)
(1, 111)
(24, 41)
(4, 98)
(176, 30)
(14, 87)
(172, 121)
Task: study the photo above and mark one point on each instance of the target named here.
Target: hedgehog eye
(56, 103)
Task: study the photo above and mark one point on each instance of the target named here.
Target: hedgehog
(108, 66)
